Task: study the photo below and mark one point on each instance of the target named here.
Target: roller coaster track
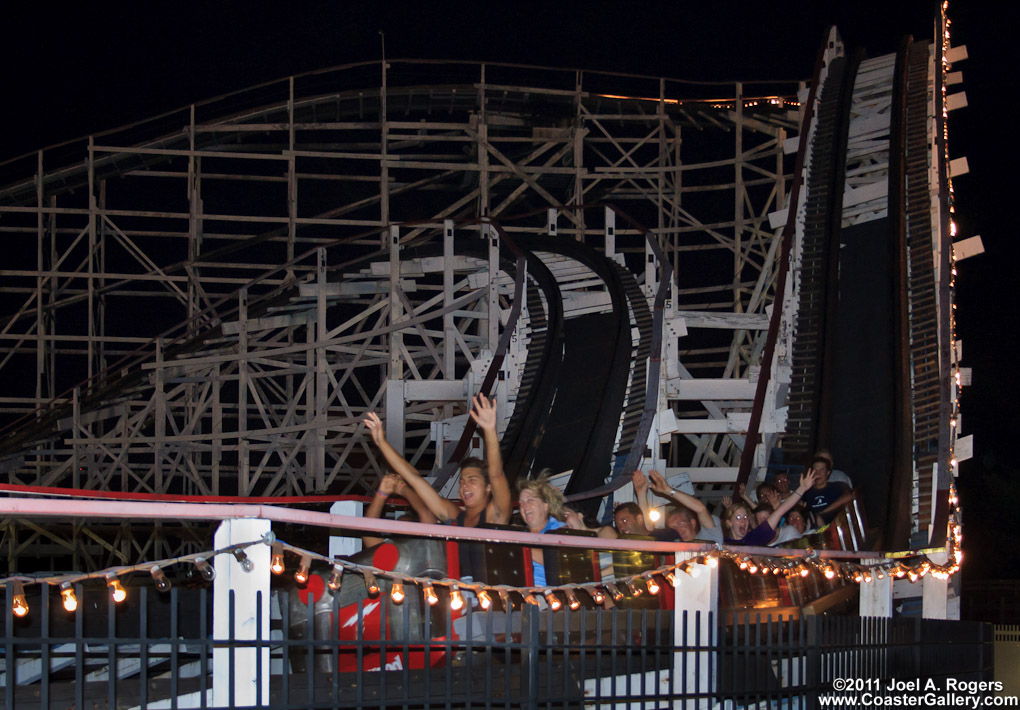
(870, 165)
(295, 313)
(538, 384)
(819, 264)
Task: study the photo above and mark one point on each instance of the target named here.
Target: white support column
(395, 414)
(396, 308)
(492, 238)
(877, 597)
(243, 464)
(345, 546)
(935, 592)
(317, 450)
(449, 326)
(695, 671)
(250, 677)
(610, 232)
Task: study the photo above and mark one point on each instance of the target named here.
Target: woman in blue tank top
(541, 507)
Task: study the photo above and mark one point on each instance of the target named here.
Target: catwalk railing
(159, 653)
(283, 641)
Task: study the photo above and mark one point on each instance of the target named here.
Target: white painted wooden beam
(440, 390)
(725, 321)
(965, 248)
(705, 474)
(710, 389)
(957, 54)
(957, 100)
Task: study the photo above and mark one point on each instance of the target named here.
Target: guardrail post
(877, 597)
(529, 655)
(935, 592)
(695, 663)
(250, 619)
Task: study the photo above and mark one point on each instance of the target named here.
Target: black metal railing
(159, 648)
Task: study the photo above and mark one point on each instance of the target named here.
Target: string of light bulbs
(912, 565)
(201, 561)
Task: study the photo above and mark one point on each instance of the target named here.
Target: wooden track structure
(209, 302)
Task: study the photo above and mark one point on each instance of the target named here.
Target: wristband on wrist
(384, 495)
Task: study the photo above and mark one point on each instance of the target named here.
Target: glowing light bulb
(531, 599)
(397, 592)
(430, 594)
(829, 572)
(635, 590)
(301, 576)
(67, 593)
(670, 577)
(654, 515)
(456, 600)
(712, 561)
(276, 563)
(653, 586)
(19, 605)
(117, 590)
(804, 571)
(572, 601)
(554, 601)
(484, 600)
(597, 596)
(371, 586)
(335, 578)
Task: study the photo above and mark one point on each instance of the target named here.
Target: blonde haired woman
(541, 506)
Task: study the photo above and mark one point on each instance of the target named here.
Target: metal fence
(158, 651)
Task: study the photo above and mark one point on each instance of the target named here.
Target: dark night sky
(69, 71)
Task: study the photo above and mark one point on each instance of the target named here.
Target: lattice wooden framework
(203, 303)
